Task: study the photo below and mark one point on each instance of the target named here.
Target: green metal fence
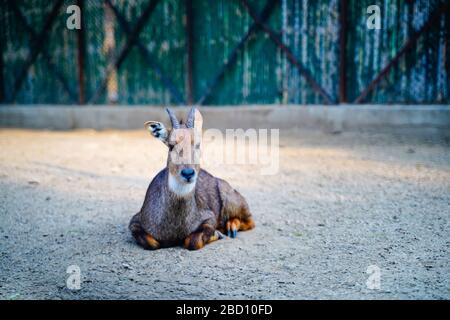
(224, 52)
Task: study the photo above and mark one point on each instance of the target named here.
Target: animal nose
(187, 173)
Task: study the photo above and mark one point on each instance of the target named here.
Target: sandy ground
(339, 204)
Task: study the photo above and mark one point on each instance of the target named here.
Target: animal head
(184, 143)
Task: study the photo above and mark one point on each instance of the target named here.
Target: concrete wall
(328, 118)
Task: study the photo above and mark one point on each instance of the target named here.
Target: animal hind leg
(232, 227)
(235, 211)
(235, 224)
(144, 239)
(241, 221)
(247, 224)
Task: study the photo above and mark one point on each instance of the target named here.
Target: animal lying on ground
(184, 204)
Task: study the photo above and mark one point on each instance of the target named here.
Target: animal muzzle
(188, 174)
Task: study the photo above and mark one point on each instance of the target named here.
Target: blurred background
(224, 52)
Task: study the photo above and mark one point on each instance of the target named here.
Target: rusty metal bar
(53, 68)
(189, 49)
(36, 47)
(343, 10)
(265, 14)
(131, 40)
(274, 37)
(147, 56)
(81, 50)
(2, 83)
(406, 47)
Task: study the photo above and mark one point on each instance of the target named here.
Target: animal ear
(158, 130)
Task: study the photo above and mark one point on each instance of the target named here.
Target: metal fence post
(189, 49)
(2, 84)
(81, 55)
(343, 6)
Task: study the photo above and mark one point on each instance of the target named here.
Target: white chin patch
(179, 188)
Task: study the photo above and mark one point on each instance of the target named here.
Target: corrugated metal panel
(164, 37)
(311, 30)
(38, 86)
(219, 27)
(262, 73)
(415, 79)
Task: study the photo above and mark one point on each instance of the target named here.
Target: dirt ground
(339, 204)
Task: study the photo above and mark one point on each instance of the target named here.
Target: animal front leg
(144, 239)
(205, 234)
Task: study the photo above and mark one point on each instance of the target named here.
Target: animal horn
(173, 119)
(190, 118)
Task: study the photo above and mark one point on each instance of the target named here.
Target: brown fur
(168, 218)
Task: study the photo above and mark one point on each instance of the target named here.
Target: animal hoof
(232, 233)
(233, 227)
(219, 235)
